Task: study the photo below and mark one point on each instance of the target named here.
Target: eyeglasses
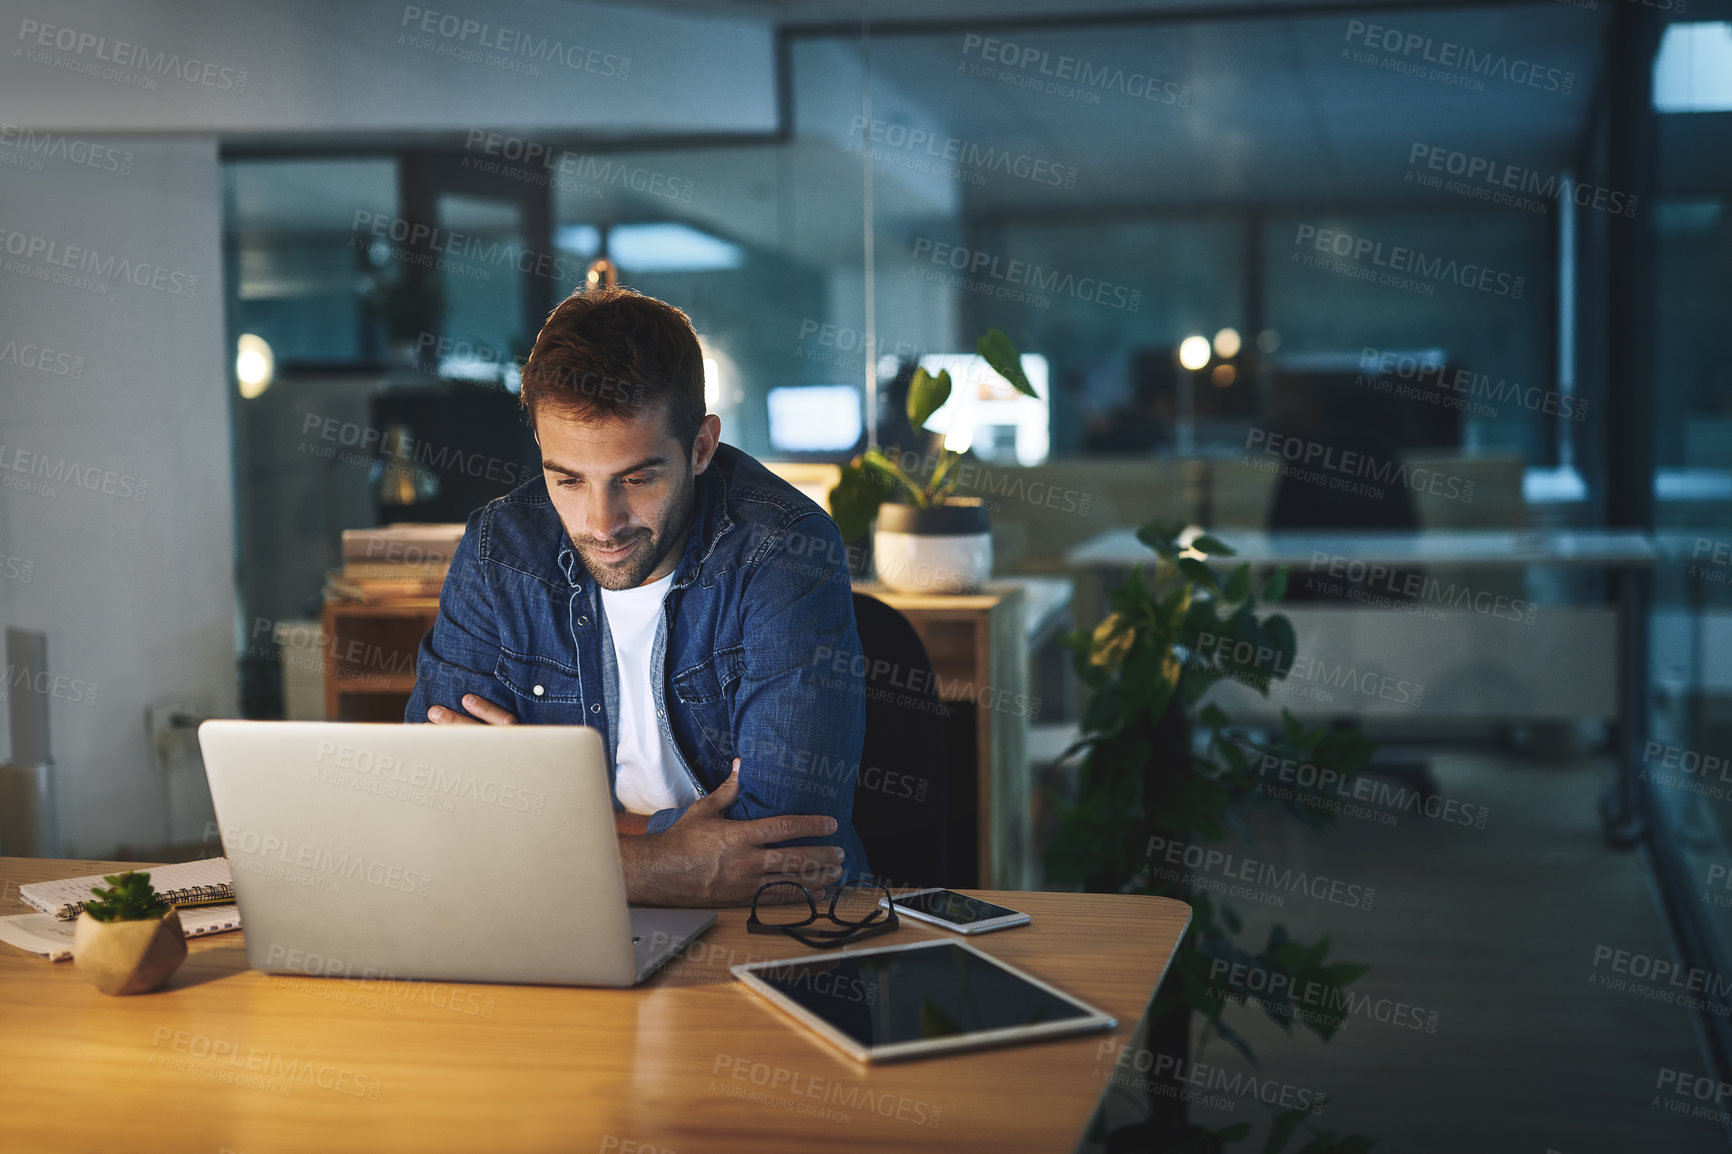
(854, 908)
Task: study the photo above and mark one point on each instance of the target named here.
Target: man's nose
(607, 513)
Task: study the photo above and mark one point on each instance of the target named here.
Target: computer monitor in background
(989, 417)
(815, 421)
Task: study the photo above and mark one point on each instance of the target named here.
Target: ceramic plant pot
(941, 549)
(128, 957)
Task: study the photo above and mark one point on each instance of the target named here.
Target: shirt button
(583, 621)
(539, 691)
(596, 708)
(661, 713)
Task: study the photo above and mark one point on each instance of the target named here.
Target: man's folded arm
(799, 718)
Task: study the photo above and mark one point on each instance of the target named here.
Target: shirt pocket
(709, 680)
(703, 691)
(538, 679)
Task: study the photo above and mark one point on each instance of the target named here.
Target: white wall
(133, 585)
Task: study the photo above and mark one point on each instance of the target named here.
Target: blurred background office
(269, 270)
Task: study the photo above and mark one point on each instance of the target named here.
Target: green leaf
(1275, 587)
(1213, 546)
(1162, 537)
(926, 393)
(1283, 1129)
(1199, 573)
(1277, 634)
(855, 498)
(998, 352)
(1238, 585)
(1174, 608)
(128, 897)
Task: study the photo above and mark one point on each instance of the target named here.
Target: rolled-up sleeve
(460, 653)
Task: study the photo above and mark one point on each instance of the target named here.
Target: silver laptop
(466, 853)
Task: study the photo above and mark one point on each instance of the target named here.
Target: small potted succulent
(928, 540)
(127, 940)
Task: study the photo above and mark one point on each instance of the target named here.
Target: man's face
(624, 488)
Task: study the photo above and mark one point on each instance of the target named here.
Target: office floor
(1496, 930)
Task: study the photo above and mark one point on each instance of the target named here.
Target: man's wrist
(635, 865)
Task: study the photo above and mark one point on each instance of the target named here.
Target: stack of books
(392, 562)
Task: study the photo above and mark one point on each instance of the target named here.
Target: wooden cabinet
(369, 660)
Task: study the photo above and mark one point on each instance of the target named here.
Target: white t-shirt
(647, 774)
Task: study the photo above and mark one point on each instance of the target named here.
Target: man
(671, 592)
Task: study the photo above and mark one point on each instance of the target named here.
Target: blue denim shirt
(754, 634)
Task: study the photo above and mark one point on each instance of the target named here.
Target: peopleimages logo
(1407, 261)
(970, 156)
(1456, 63)
(1199, 1079)
(84, 260)
(1281, 996)
(420, 240)
(30, 355)
(122, 54)
(542, 163)
(33, 146)
(245, 845)
(1084, 75)
(1303, 453)
(1491, 180)
(472, 40)
(1197, 859)
(29, 465)
(1375, 364)
(1003, 274)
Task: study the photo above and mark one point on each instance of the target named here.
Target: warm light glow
(1186, 535)
(712, 382)
(1227, 343)
(1224, 375)
(1194, 352)
(255, 366)
(959, 438)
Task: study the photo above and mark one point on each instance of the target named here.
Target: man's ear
(704, 447)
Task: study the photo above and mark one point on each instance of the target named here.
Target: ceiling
(1275, 113)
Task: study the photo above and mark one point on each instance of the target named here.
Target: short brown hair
(609, 352)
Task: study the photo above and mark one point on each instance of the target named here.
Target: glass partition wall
(1287, 273)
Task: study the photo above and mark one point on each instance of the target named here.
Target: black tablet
(908, 1001)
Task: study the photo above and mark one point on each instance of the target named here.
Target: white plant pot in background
(943, 549)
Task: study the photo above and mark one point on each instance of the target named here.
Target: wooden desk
(228, 1058)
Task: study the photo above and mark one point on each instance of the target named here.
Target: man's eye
(567, 482)
(637, 481)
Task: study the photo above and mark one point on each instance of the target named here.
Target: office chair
(899, 799)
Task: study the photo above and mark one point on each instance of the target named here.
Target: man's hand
(482, 708)
(704, 859)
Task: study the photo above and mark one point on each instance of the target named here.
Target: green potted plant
(127, 940)
(1173, 634)
(927, 539)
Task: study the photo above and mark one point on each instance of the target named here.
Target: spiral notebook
(194, 883)
(52, 938)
